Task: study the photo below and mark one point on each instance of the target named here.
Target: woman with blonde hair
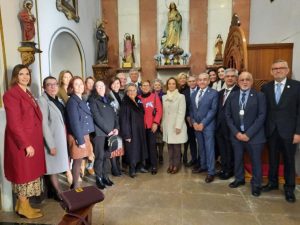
(182, 82)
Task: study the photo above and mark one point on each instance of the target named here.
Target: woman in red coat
(24, 157)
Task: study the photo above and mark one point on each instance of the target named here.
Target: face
(134, 76)
(157, 86)
(245, 81)
(100, 88)
(182, 81)
(203, 81)
(78, 87)
(131, 92)
(123, 79)
(230, 79)
(51, 87)
(221, 73)
(279, 71)
(212, 76)
(24, 77)
(171, 85)
(66, 78)
(115, 86)
(192, 82)
(146, 87)
(89, 84)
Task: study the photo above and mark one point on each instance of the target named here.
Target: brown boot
(17, 207)
(24, 209)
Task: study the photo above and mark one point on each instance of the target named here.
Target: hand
(177, 131)
(116, 132)
(154, 127)
(245, 138)
(128, 140)
(196, 126)
(239, 136)
(29, 151)
(53, 151)
(82, 146)
(200, 127)
(110, 133)
(296, 139)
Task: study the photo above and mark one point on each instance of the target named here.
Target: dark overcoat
(132, 127)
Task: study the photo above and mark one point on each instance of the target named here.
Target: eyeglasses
(279, 68)
(246, 79)
(52, 85)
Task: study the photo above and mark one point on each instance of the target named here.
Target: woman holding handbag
(79, 124)
(153, 113)
(106, 125)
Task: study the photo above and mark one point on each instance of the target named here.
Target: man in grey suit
(245, 115)
(282, 126)
(204, 106)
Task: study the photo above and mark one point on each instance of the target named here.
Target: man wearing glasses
(282, 126)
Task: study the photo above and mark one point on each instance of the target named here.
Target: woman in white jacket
(173, 123)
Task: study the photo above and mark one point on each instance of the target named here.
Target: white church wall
(277, 22)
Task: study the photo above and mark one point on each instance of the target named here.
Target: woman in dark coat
(133, 130)
(106, 125)
(24, 157)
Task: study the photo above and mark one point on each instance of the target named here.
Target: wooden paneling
(261, 57)
(110, 15)
(148, 44)
(198, 35)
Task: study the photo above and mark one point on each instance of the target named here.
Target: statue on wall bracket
(171, 37)
(128, 57)
(218, 50)
(102, 38)
(28, 46)
(69, 8)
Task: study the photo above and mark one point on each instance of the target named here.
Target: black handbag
(154, 110)
(79, 198)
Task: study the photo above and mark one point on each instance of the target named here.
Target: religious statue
(102, 38)
(27, 21)
(171, 38)
(128, 58)
(218, 50)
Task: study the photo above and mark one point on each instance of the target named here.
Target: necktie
(199, 97)
(242, 112)
(225, 96)
(243, 97)
(278, 92)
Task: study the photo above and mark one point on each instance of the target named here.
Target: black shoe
(290, 196)
(199, 170)
(100, 184)
(153, 171)
(191, 163)
(256, 191)
(225, 175)
(269, 187)
(236, 183)
(107, 181)
(132, 172)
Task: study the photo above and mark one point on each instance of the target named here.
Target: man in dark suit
(204, 106)
(222, 129)
(134, 76)
(245, 115)
(190, 129)
(282, 126)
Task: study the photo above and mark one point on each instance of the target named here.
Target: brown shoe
(170, 169)
(209, 178)
(175, 170)
(91, 171)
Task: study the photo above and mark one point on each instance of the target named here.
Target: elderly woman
(153, 113)
(56, 150)
(80, 124)
(106, 125)
(173, 123)
(24, 157)
(132, 129)
(157, 87)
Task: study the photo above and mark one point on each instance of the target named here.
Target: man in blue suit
(282, 126)
(245, 115)
(204, 106)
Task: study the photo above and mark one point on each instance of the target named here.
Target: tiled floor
(181, 199)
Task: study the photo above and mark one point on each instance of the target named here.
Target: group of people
(67, 128)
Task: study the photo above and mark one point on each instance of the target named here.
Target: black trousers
(192, 143)
(151, 145)
(286, 147)
(226, 151)
(101, 156)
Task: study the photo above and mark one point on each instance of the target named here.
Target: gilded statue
(129, 43)
(172, 32)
